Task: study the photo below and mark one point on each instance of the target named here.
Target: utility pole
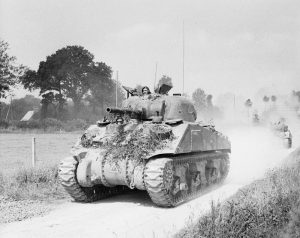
(9, 109)
(33, 152)
(183, 58)
(117, 78)
(234, 101)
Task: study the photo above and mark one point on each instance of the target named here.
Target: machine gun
(122, 112)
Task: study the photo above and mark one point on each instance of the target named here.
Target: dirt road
(254, 151)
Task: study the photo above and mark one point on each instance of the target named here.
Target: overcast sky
(238, 46)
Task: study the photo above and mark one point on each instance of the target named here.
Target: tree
(68, 73)
(48, 89)
(266, 99)
(23, 105)
(103, 88)
(47, 100)
(19, 107)
(273, 98)
(296, 94)
(74, 73)
(199, 98)
(209, 101)
(248, 105)
(9, 72)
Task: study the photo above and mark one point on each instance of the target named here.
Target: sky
(238, 46)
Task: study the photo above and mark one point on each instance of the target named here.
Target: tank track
(67, 176)
(159, 177)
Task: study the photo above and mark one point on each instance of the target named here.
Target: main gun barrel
(134, 114)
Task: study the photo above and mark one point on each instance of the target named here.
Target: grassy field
(25, 191)
(15, 150)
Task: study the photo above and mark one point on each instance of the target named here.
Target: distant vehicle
(255, 119)
(281, 130)
(152, 143)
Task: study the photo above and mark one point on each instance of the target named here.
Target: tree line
(204, 105)
(71, 74)
(71, 84)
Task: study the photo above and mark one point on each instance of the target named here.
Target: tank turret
(151, 143)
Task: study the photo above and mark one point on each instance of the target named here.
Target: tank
(282, 131)
(255, 119)
(151, 143)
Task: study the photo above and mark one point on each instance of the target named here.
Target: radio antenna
(182, 57)
(117, 78)
(155, 76)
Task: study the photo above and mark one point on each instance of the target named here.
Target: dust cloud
(255, 148)
(254, 151)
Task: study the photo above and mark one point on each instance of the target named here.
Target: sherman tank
(151, 143)
(281, 130)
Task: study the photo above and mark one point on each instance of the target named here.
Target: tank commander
(146, 91)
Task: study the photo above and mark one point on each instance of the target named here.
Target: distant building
(28, 116)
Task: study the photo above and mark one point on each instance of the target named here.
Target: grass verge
(29, 192)
(32, 183)
(269, 207)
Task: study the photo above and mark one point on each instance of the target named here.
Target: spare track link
(158, 174)
(67, 176)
